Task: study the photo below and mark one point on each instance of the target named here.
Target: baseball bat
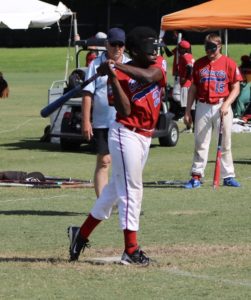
(217, 169)
(50, 108)
(47, 185)
(164, 182)
(15, 184)
(67, 179)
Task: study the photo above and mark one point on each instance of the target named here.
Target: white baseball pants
(129, 151)
(183, 97)
(207, 118)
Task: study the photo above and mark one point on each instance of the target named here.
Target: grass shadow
(41, 213)
(51, 260)
(243, 162)
(246, 161)
(34, 144)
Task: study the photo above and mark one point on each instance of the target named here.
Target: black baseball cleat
(138, 257)
(77, 243)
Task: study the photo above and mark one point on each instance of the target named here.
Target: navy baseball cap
(115, 35)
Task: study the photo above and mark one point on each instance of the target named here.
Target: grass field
(200, 240)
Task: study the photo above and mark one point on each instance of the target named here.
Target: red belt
(220, 100)
(142, 131)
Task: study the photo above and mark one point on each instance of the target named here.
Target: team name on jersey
(134, 85)
(211, 75)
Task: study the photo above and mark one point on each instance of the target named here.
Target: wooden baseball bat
(79, 185)
(50, 108)
(217, 169)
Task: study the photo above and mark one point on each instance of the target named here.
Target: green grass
(200, 239)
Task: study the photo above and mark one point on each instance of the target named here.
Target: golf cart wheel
(172, 137)
(68, 144)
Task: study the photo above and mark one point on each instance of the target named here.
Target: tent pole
(75, 27)
(68, 51)
(177, 50)
(179, 38)
(226, 41)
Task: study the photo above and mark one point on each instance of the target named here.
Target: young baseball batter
(136, 93)
(97, 115)
(216, 84)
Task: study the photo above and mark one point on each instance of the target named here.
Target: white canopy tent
(24, 14)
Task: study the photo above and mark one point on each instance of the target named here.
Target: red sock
(130, 241)
(88, 226)
(196, 176)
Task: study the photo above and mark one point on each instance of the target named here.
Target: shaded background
(99, 15)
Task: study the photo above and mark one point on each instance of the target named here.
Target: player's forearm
(191, 97)
(86, 107)
(168, 52)
(142, 75)
(235, 90)
(189, 71)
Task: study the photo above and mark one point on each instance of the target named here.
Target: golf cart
(65, 127)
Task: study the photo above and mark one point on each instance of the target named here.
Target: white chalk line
(18, 126)
(178, 272)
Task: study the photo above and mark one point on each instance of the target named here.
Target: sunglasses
(210, 46)
(115, 44)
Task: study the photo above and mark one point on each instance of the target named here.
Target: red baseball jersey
(184, 61)
(214, 78)
(145, 99)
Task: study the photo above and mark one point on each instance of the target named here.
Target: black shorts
(100, 138)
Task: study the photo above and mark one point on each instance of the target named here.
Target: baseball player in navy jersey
(136, 93)
(216, 84)
(97, 115)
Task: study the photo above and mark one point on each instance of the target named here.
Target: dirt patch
(194, 250)
(194, 255)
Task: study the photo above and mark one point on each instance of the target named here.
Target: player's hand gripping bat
(216, 181)
(49, 109)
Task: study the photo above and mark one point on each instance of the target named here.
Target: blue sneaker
(192, 184)
(230, 181)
